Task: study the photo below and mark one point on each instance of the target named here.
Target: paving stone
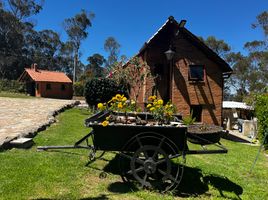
(22, 143)
(24, 117)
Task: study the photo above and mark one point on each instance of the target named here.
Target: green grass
(14, 95)
(64, 174)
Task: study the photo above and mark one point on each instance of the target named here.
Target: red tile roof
(47, 76)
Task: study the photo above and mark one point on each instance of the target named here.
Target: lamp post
(169, 55)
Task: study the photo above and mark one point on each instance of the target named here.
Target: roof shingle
(48, 76)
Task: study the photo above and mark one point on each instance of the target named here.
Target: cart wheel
(150, 166)
(93, 155)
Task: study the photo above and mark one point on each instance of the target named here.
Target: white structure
(236, 105)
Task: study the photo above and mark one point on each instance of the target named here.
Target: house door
(30, 87)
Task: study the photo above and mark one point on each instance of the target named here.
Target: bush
(12, 86)
(261, 110)
(101, 90)
(78, 89)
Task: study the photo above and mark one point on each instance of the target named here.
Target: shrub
(12, 86)
(78, 89)
(101, 90)
(261, 110)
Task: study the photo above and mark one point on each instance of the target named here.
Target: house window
(48, 86)
(196, 111)
(196, 72)
(62, 87)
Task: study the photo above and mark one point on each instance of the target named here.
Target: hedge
(101, 90)
(78, 88)
(261, 110)
(12, 86)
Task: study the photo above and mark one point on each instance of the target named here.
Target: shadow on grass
(223, 184)
(100, 197)
(193, 182)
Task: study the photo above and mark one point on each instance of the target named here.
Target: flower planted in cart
(162, 113)
(119, 107)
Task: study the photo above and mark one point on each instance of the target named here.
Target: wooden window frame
(193, 78)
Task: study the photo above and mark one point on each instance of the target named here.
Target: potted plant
(204, 133)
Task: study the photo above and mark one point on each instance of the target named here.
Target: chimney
(34, 67)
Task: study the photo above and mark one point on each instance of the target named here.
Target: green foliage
(78, 89)
(101, 90)
(218, 46)
(261, 109)
(188, 120)
(12, 86)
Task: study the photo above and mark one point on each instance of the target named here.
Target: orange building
(50, 84)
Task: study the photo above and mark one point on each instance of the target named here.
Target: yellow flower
(101, 106)
(120, 105)
(149, 105)
(160, 102)
(105, 123)
(152, 108)
(133, 102)
(151, 98)
(124, 99)
(118, 97)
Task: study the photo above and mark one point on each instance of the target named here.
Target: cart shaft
(64, 147)
(206, 151)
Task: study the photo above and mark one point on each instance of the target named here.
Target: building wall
(185, 93)
(55, 90)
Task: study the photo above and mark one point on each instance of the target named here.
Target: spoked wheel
(147, 162)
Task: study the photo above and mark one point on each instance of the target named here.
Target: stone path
(25, 117)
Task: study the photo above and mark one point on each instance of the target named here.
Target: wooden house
(50, 84)
(188, 72)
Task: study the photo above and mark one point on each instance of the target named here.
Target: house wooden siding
(56, 90)
(173, 79)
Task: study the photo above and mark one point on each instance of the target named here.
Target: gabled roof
(45, 76)
(194, 39)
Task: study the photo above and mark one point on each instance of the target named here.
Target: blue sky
(133, 22)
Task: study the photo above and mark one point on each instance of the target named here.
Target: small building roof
(45, 76)
(234, 104)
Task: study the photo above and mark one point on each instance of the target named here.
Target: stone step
(23, 143)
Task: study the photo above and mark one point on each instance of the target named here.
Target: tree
(258, 55)
(76, 28)
(95, 65)
(11, 45)
(218, 46)
(43, 48)
(113, 48)
(241, 73)
(262, 22)
(24, 8)
(133, 76)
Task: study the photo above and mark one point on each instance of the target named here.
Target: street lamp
(169, 55)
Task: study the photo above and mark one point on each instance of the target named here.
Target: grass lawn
(64, 174)
(14, 95)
